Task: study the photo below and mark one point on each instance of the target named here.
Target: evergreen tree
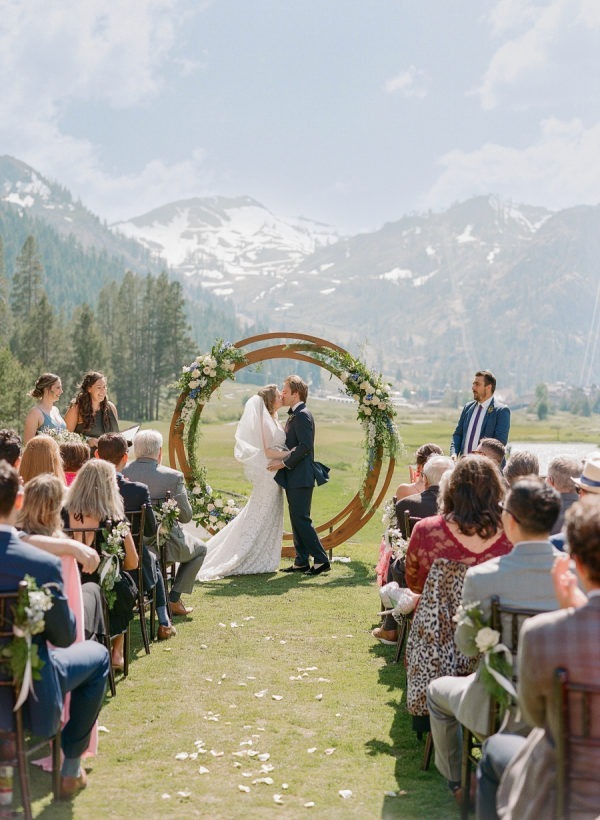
(5, 316)
(27, 280)
(16, 380)
(88, 348)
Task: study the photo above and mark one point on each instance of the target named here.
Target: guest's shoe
(296, 568)
(166, 632)
(70, 786)
(386, 636)
(318, 570)
(178, 608)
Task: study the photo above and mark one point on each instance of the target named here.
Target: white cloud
(559, 170)
(54, 56)
(409, 83)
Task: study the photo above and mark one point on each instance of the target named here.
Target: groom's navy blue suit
(298, 480)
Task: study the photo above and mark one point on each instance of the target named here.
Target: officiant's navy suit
(79, 668)
(298, 480)
(496, 424)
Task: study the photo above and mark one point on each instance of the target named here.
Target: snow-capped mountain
(219, 241)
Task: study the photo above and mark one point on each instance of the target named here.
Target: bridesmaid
(47, 391)
(91, 413)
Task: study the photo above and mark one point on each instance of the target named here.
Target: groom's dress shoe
(295, 568)
(178, 608)
(318, 570)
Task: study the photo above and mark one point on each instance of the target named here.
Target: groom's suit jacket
(300, 440)
(496, 424)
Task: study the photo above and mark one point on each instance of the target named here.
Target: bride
(251, 542)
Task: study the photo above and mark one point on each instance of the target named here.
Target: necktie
(473, 429)
(290, 412)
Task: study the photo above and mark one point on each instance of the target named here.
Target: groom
(296, 474)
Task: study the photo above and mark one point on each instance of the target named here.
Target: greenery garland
(214, 510)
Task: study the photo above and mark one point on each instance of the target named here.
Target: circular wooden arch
(361, 508)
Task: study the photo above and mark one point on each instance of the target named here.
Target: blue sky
(351, 112)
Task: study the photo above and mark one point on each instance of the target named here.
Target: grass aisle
(274, 677)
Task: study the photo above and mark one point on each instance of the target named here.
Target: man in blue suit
(79, 668)
(484, 417)
(297, 473)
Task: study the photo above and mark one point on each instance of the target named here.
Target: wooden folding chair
(146, 601)
(578, 737)
(507, 620)
(17, 736)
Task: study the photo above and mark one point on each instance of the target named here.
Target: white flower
(195, 373)
(212, 519)
(367, 411)
(206, 370)
(344, 376)
(486, 639)
(212, 373)
(218, 502)
(365, 386)
(194, 383)
(210, 506)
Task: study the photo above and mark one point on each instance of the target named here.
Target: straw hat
(589, 480)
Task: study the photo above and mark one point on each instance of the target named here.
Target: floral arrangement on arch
(376, 412)
(28, 620)
(496, 666)
(211, 510)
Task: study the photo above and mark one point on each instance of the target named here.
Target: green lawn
(276, 665)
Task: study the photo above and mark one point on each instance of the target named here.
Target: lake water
(547, 450)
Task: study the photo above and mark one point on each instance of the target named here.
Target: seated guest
(41, 455)
(40, 516)
(417, 485)
(180, 546)
(469, 528)
(420, 505)
(492, 448)
(80, 669)
(561, 472)
(44, 415)
(112, 447)
(424, 504)
(10, 447)
(520, 579)
(93, 500)
(74, 454)
(567, 638)
(520, 465)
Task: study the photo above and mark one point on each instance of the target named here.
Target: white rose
(218, 502)
(212, 519)
(344, 376)
(212, 374)
(486, 639)
(206, 370)
(194, 383)
(367, 411)
(195, 373)
(197, 490)
(365, 386)
(220, 525)
(210, 507)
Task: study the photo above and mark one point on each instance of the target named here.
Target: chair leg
(126, 649)
(465, 774)
(153, 615)
(402, 632)
(427, 753)
(56, 765)
(143, 627)
(22, 766)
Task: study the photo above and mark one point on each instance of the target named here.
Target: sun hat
(589, 480)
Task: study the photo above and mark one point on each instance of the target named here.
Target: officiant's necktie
(474, 429)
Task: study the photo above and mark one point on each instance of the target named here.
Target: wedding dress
(251, 542)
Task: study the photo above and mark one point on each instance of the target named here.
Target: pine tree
(27, 280)
(5, 317)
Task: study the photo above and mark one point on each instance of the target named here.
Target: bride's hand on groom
(275, 465)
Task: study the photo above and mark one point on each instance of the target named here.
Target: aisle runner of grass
(273, 696)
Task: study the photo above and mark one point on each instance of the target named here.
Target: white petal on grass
(268, 638)
(251, 752)
(250, 677)
(267, 767)
(284, 786)
(216, 754)
(264, 757)
(203, 646)
(309, 805)
(237, 764)
(242, 683)
(246, 743)
(319, 697)
(208, 679)
(233, 625)
(282, 642)
(345, 793)
(323, 680)
(166, 796)
(193, 755)
(246, 774)
(329, 751)
(103, 729)
(261, 694)
(185, 795)
(181, 756)
(312, 750)
(277, 697)
(249, 618)
(245, 789)
(278, 798)
(203, 770)
(267, 780)
(223, 625)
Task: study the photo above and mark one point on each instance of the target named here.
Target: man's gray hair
(147, 444)
(562, 469)
(435, 467)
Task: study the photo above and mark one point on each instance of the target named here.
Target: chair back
(8, 604)
(409, 523)
(577, 746)
(431, 651)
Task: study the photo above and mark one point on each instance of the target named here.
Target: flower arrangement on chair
(113, 552)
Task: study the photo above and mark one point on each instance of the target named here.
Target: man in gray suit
(186, 550)
(520, 579)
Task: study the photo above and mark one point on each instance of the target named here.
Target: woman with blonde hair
(40, 522)
(93, 501)
(41, 455)
(44, 415)
(251, 542)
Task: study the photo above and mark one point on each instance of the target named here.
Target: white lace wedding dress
(251, 543)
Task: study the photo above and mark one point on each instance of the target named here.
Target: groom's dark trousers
(298, 480)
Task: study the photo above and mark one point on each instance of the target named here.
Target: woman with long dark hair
(90, 413)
